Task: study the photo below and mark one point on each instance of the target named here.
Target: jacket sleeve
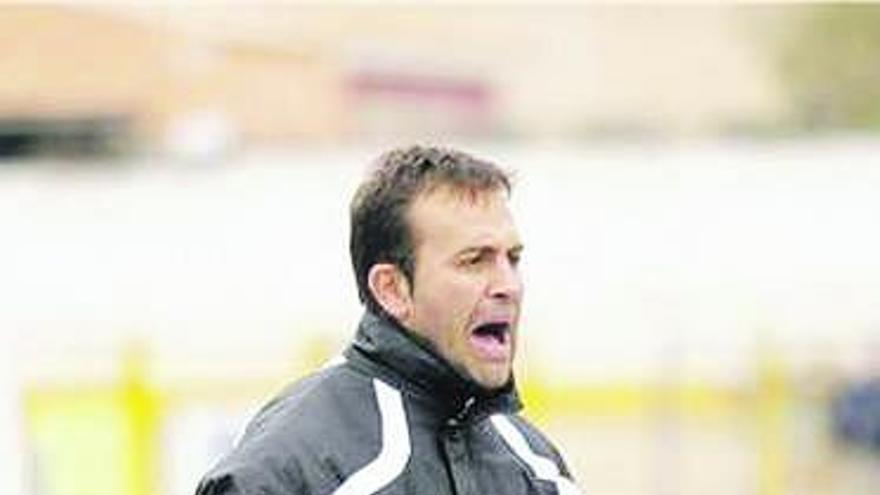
(256, 479)
(230, 484)
(220, 485)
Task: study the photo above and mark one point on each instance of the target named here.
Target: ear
(391, 290)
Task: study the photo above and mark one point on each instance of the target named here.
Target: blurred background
(697, 190)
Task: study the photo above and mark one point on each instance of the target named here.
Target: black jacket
(390, 418)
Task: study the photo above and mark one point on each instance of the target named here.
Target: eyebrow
(478, 249)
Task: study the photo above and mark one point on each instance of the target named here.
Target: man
(423, 401)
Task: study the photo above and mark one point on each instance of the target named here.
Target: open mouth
(494, 330)
(492, 341)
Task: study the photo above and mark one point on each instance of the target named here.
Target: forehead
(455, 219)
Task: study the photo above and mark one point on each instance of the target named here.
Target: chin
(492, 381)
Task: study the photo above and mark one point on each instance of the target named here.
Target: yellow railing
(105, 439)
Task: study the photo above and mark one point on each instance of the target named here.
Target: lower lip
(489, 348)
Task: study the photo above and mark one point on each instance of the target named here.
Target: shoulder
(305, 440)
(310, 405)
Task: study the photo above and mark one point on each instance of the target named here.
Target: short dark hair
(379, 230)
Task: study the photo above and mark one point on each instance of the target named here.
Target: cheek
(447, 303)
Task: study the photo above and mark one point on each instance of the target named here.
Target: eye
(475, 259)
(514, 257)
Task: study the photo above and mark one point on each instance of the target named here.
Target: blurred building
(204, 77)
(80, 74)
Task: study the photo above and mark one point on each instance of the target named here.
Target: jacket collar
(384, 348)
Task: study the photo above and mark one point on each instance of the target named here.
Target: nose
(506, 283)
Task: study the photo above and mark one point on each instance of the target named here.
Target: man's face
(467, 289)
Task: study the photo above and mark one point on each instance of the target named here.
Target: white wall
(636, 256)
